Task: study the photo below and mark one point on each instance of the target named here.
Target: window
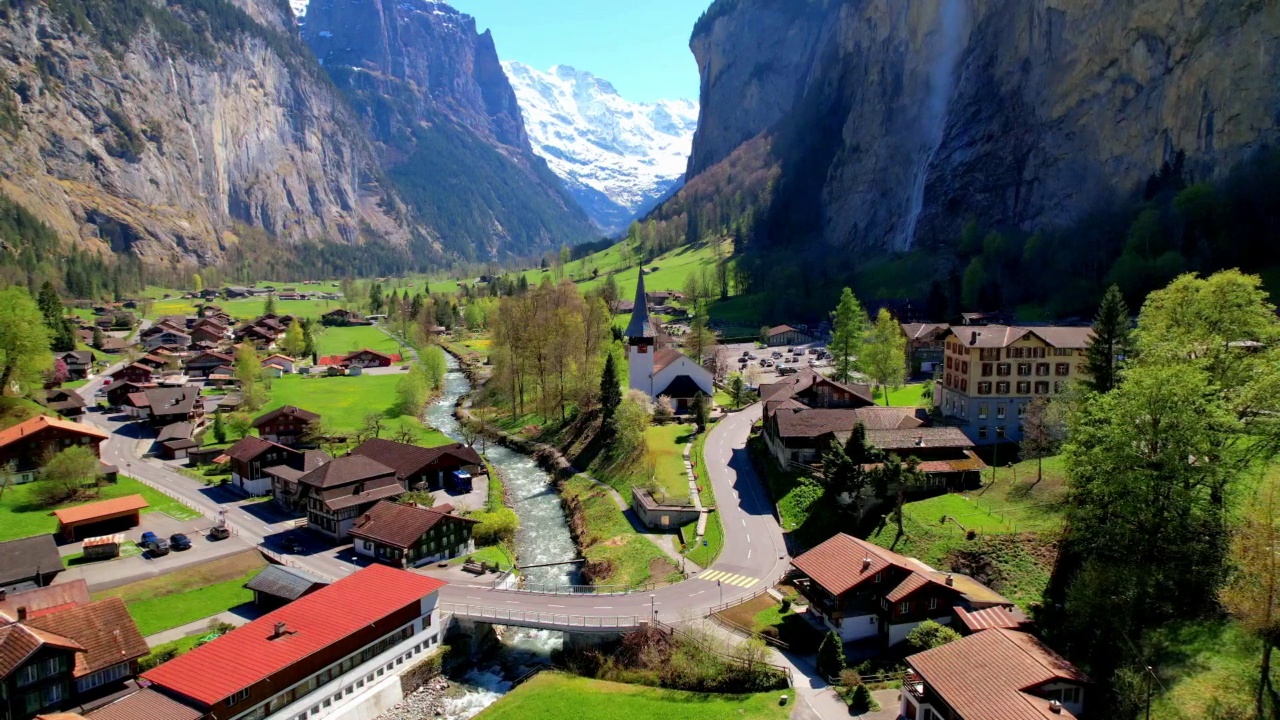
(878, 576)
(1022, 410)
(1066, 696)
(1000, 432)
(949, 362)
(982, 408)
(987, 369)
(933, 603)
(1002, 387)
(1042, 369)
(1063, 352)
(904, 608)
(1000, 411)
(1004, 369)
(964, 385)
(1062, 369)
(989, 354)
(1024, 387)
(1024, 369)
(984, 388)
(982, 432)
(238, 697)
(964, 367)
(1042, 388)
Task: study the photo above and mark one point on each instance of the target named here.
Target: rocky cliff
(125, 129)
(893, 121)
(433, 95)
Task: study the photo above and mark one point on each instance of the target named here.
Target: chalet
(167, 405)
(786, 335)
(1019, 676)
(409, 536)
(79, 363)
(176, 440)
(367, 358)
(860, 590)
(256, 335)
(339, 492)
(35, 671)
(134, 373)
(114, 346)
(45, 599)
(338, 652)
(67, 403)
(211, 334)
(111, 641)
(250, 457)
(279, 585)
(341, 318)
(155, 361)
(623, 307)
(118, 392)
(924, 345)
(806, 413)
(285, 476)
(29, 563)
(286, 364)
(204, 364)
(168, 338)
(419, 468)
(287, 425)
(26, 446)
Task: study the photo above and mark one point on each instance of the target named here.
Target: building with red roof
(25, 446)
(340, 647)
(992, 675)
(863, 591)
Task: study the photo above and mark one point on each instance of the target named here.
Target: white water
(543, 537)
(952, 31)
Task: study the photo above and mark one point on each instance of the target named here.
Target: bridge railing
(559, 589)
(538, 617)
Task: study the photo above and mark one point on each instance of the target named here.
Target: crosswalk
(721, 576)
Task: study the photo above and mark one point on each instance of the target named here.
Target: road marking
(748, 553)
(472, 597)
(748, 538)
(559, 606)
(725, 578)
(602, 607)
(744, 522)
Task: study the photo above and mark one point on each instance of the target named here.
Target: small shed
(99, 518)
(279, 585)
(104, 547)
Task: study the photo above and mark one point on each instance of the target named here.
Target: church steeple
(640, 328)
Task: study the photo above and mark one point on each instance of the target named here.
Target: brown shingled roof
(287, 410)
(841, 563)
(409, 460)
(992, 675)
(344, 471)
(19, 641)
(105, 629)
(146, 704)
(820, 421)
(398, 525)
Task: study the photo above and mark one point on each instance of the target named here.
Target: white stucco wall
(684, 366)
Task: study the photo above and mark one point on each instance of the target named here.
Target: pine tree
(850, 327)
(831, 656)
(701, 411)
(61, 337)
(610, 390)
(1110, 341)
(269, 307)
(219, 428)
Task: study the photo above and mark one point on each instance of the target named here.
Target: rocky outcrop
(142, 137)
(895, 121)
(433, 95)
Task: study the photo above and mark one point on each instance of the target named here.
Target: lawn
(666, 451)
(189, 594)
(492, 554)
(554, 696)
(21, 515)
(344, 340)
(343, 402)
(610, 543)
(128, 548)
(1207, 669)
(704, 555)
(765, 616)
(905, 396)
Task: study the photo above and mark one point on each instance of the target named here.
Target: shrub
(495, 527)
(831, 656)
(861, 701)
(928, 635)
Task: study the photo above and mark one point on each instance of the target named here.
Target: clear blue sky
(641, 46)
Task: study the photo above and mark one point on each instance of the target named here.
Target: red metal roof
(106, 508)
(248, 655)
(42, 422)
(1006, 616)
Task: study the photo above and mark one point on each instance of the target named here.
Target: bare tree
(1043, 430)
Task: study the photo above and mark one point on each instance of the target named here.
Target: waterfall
(949, 41)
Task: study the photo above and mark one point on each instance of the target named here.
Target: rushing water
(543, 538)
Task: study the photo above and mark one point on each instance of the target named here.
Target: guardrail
(556, 589)
(539, 618)
(747, 633)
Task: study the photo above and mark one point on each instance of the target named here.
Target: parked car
(292, 545)
(179, 542)
(788, 371)
(148, 537)
(746, 353)
(219, 532)
(158, 547)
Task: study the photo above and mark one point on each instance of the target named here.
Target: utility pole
(1150, 676)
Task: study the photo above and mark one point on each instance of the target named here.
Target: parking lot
(767, 361)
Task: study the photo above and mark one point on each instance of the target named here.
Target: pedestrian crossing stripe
(721, 576)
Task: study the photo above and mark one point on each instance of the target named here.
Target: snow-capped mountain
(617, 158)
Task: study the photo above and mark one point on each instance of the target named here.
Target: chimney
(280, 631)
(951, 580)
(22, 614)
(974, 339)
(919, 441)
(3, 593)
(866, 563)
(1055, 707)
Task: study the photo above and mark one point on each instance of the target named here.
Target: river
(543, 537)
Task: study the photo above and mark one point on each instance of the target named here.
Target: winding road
(753, 559)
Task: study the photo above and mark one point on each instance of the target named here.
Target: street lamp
(653, 609)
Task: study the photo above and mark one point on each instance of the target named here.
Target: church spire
(640, 327)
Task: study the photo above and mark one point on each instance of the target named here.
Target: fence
(539, 618)
(557, 589)
(747, 633)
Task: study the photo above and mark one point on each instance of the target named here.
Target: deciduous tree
(24, 342)
(884, 354)
(1043, 431)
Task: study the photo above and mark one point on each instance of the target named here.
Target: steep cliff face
(903, 119)
(125, 130)
(433, 95)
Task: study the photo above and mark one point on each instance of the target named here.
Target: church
(658, 371)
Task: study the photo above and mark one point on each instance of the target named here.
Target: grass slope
(609, 541)
(554, 696)
(706, 554)
(22, 515)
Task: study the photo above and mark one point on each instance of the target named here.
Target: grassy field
(611, 543)
(178, 646)
(1207, 669)
(343, 340)
(666, 451)
(905, 396)
(492, 554)
(554, 696)
(343, 402)
(22, 515)
(765, 615)
(704, 555)
(189, 594)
